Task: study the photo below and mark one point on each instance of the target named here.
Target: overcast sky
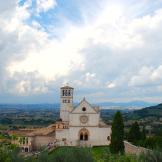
(108, 50)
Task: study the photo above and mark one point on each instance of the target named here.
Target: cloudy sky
(108, 50)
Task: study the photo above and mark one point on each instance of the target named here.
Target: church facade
(82, 123)
(79, 125)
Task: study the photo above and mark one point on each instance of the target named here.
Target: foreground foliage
(134, 134)
(137, 137)
(9, 153)
(151, 156)
(103, 154)
(152, 142)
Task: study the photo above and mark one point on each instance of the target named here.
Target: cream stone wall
(66, 101)
(97, 136)
(93, 119)
(62, 133)
(90, 112)
(40, 141)
(64, 114)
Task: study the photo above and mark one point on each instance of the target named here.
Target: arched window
(26, 140)
(69, 93)
(83, 134)
(63, 93)
(64, 101)
(86, 136)
(23, 140)
(26, 149)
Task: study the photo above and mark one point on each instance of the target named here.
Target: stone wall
(97, 136)
(132, 149)
(42, 141)
(93, 119)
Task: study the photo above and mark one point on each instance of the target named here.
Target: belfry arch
(84, 134)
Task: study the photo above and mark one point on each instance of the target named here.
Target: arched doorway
(26, 149)
(83, 134)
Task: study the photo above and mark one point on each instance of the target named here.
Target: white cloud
(7, 8)
(113, 46)
(45, 5)
(26, 84)
(50, 61)
(87, 79)
(24, 88)
(111, 85)
(147, 76)
(89, 76)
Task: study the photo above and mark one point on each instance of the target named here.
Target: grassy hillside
(152, 111)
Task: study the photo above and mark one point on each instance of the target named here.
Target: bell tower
(66, 97)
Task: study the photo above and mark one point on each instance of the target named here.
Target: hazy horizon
(140, 104)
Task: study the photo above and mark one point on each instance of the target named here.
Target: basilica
(83, 122)
(78, 125)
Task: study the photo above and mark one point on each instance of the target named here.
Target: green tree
(9, 153)
(117, 135)
(143, 134)
(134, 134)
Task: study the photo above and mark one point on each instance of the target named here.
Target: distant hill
(127, 104)
(29, 106)
(152, 111)
(112, 105)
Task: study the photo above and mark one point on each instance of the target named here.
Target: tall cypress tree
(134, 134)
(143, 133)
(117, 134)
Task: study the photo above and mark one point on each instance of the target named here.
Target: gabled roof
(82, 101)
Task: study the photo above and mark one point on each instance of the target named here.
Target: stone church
(83, 125)
(79, 125)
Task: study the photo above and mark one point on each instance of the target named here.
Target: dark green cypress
(117, 134)
(134, 134)
(143, 134)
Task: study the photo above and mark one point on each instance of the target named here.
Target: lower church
(79, 125)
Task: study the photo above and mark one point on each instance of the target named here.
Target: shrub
(151, 156)
(71, 154)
